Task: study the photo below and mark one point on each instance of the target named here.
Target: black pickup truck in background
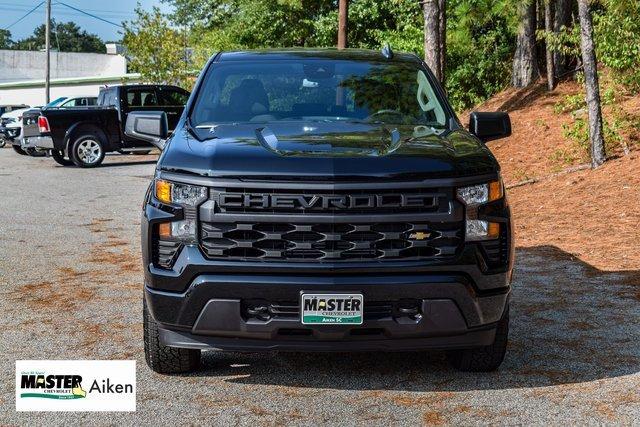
(83, 135)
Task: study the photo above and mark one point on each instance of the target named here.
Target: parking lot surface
(71, 288)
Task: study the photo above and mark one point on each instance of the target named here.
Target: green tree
(65, 37)
(481, 38)
(617, 34)
(202, 13)
(372, 23)
(480, 33)
(5, 39)
(157, 50)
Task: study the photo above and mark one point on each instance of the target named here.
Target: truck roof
(137, 86)
(315, 53)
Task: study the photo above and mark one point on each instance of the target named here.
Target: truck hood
(15, 113)
(325, 149)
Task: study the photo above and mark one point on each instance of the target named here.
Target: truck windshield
(318, 90)
(56, 102)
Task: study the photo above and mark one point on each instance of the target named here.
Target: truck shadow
(570, 323)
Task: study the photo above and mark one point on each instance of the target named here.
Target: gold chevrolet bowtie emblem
(419, 236)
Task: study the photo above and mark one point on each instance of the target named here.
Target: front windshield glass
(56, 102)
(318, 90)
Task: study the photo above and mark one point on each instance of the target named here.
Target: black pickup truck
(324, 200)
(83, 135)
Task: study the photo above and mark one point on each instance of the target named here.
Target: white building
(22, 74)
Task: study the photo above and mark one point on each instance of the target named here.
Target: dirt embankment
(590, 214)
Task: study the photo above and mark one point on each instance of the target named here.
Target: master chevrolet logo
(52, 386)
(303, 202)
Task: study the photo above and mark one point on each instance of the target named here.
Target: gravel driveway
(70, 284)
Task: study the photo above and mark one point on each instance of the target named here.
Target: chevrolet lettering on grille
(303, 202)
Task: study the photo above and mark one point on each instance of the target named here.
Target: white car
(11, 128)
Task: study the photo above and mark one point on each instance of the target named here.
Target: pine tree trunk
(591, 84)
(548, 25)
(561, 18)
(443, 38)
(525, 61)
(431, 12)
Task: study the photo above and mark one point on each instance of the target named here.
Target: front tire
(87, 151)
(163, 359)
(483, 359)
(58, 156)
(3, 142)
(18, 150)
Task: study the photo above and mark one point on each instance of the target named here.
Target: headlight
(480, 194)
(186, 195)
(180, 194)
(474, 196)
(178, 230)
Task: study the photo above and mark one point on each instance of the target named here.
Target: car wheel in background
(87, 151)
(58, 156)
(18, 150)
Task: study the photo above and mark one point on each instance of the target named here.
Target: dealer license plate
(325, 309)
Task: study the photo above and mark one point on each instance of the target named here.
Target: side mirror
(490, 126)
(149, 126)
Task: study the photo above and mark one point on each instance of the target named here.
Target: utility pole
(47, 41)
(432, 34)
(343, 12)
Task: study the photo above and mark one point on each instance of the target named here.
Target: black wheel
(483, 359)
(58, 156)
(163, 359)
(18, 150)
(2, 143)
(87, 151)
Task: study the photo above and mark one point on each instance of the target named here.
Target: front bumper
(10, 133)
(476, 338)
(209, 314)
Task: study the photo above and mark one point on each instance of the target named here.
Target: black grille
(294, 241)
